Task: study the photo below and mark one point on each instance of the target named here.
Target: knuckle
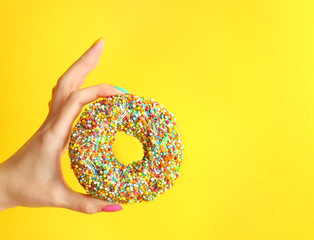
(86, 207)
(88, 62)
(60, 84)
(74, 96)
(101, 87)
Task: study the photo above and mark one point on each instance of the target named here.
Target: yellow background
(238, 75)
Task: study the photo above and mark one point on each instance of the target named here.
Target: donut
(99, 171)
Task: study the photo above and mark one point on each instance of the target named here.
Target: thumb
(84, 203)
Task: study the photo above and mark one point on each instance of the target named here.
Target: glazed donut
(94, 163)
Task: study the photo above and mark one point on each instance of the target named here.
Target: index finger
(73, 78)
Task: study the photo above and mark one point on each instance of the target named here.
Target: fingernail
(97, 41)
(112, 208)
(122, 89)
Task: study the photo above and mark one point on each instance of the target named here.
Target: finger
(63, 121)
(85, 203)
(74, 77)
(77, 72)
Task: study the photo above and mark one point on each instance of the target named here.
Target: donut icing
(100, 172)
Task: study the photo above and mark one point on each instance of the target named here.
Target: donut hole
(127, 149)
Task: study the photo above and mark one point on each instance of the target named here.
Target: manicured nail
(112, 208)
(122, 89)
(97, 41)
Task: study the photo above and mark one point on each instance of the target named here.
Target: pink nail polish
(112, 208)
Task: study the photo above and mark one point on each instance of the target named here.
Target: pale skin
(32, 177)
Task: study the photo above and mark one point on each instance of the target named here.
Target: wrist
(4, 191)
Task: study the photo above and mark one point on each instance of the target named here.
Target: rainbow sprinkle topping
(99, 171)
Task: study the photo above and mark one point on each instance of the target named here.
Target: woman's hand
(32, 177)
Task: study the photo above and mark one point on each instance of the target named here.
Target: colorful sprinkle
(99, 171)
